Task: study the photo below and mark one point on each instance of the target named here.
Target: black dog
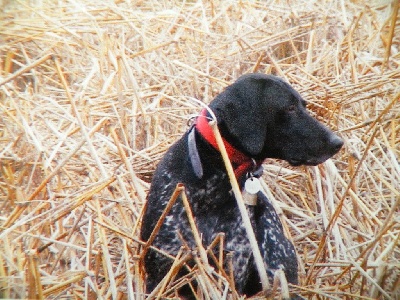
(259, 116)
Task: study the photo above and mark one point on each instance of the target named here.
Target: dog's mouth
(307, 162)
(294, 162)
(313, 158)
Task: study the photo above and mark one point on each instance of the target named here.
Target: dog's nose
(336, 143)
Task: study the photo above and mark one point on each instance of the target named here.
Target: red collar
(240, 161)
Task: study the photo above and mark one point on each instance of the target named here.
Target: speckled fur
(212, 202)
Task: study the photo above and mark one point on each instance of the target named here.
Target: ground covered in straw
(93, 93)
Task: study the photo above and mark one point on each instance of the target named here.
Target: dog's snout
(335, 143)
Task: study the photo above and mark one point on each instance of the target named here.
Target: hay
(92, 94)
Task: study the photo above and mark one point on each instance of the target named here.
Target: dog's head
(263, 116)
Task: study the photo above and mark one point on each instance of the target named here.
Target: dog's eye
(292, 108)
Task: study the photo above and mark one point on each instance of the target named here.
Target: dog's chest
(215, 210)
(210, 193)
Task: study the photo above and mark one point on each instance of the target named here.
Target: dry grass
(93, 93)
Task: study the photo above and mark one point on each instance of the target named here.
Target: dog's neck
(241, 163)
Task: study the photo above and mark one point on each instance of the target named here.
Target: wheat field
(93, 93)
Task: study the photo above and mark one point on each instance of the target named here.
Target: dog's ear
(241, 114)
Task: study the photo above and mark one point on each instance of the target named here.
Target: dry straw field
(94, 92)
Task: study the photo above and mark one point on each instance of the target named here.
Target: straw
(261, 266)
(92, 95)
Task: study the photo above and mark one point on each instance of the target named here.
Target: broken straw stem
(196, 235)
(243, 211)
